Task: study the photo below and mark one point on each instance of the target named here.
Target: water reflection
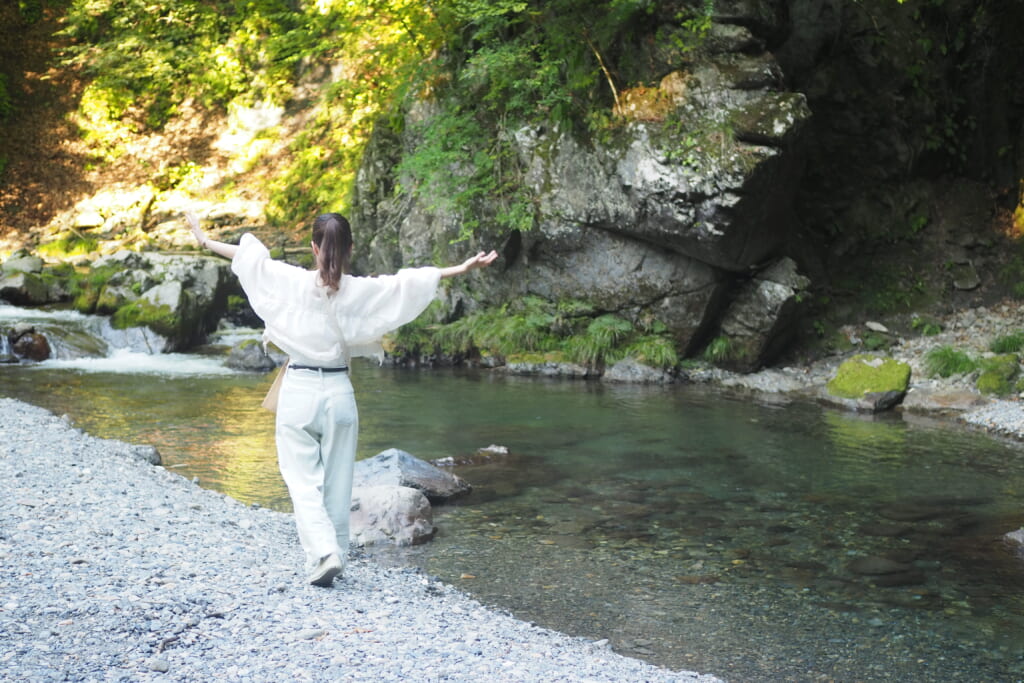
(698, 531)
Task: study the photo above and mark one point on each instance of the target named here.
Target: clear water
(689, 528)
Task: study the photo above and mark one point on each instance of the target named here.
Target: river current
(688, 527)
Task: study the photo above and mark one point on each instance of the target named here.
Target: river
(758, 542)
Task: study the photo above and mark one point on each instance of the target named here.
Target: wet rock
(390, 514)
(149, 454)
(1015, 539)
(546, 368)
(395, 467)
(874, 566)
(911, 513)
(885, 530)
(942, 400)
(912, 577)
(32, 345)
(249, 356)
(634, 372)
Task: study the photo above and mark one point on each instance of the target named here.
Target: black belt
(313, 367)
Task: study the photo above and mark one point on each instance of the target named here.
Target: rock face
(395, 467)
(686, 200)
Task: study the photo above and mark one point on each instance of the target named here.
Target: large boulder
(180, 298)
(23, 289)
(869, 383)
(390, 514)
(248, 356)
(762, 317)
(395, 467)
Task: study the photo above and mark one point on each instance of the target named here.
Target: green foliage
(926, 326)
(718, 350)
(157, 53)
(31, 10)
(998, 374)
(601, 342)
(68, 245)
(946, 361)
(535, 328)
(1010, 343)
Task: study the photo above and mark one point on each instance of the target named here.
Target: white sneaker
(328, 567)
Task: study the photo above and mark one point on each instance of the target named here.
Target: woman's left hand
(481, 260)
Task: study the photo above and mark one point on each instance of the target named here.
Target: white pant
(316, 432)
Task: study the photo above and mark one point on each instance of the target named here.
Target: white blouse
(298, 312)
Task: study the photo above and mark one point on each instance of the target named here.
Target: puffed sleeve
(260, 276)
(371, 307)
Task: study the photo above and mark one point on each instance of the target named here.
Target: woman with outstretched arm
(321, 318)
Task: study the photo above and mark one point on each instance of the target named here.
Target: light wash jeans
(317, 429)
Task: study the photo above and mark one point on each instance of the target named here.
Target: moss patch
(160, 319)
(864, 374)
(998, 375)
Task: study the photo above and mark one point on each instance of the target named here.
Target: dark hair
(333, 237)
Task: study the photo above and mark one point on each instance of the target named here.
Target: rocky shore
(113, 569)
(954, 398)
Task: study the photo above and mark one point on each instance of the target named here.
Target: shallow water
(688, 527)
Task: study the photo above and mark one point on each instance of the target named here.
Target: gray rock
(761, 320)
(249, 356)
(395, 467)
(23, 263)
(390, 514)
(634, 372)
(544, 368)
(23, 289)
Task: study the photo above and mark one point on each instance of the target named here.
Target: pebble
(103, 584)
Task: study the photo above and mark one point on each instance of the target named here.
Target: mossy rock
(139, 313)
(998, 375)
(867, 374)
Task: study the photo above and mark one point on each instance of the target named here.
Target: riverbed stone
(399, 515)
(395, 467)
(248, 356)
(873, 566)
(632, 371)
(32, 346)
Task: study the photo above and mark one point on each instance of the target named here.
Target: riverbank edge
(115, 569)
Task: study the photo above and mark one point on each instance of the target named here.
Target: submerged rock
(395, 467)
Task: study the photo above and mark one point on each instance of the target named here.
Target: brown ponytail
(333, 237)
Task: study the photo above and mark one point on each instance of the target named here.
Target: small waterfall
(6, 353)
(89, 343)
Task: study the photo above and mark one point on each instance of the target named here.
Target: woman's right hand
(193, 223)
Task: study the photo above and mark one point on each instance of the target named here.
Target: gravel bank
(112, 569)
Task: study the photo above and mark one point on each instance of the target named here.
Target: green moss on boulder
(139, 313)
(998, 375)
(865, 374)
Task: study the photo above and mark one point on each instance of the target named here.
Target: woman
(321, 318)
